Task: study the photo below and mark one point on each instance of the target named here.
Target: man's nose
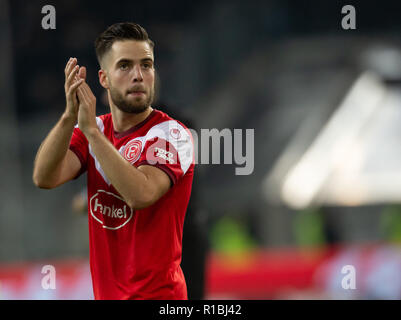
(137, 73)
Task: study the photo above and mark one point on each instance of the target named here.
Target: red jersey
(136, 254)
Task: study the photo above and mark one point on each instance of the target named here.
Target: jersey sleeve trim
(81, 159)
(163, 167)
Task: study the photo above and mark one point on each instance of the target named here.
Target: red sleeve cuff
(81, 159)
(163, 167)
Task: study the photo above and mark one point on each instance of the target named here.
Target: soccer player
(139, 164)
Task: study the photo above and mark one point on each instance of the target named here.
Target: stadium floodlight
(335, 168)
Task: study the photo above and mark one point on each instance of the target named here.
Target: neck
(123, 121)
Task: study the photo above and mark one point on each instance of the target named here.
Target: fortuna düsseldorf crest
(175, 133)
(133, 151)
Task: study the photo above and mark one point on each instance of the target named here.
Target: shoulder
(168, 128)
(172, 139)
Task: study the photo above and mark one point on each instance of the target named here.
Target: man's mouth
(136, 93)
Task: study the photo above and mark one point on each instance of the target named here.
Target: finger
(85, 93)
(67, 65)
(77, 76)
(88, 92)
(81, 95)
(82, 90)
(70, 65)
(71, 76)
(75, 85)
(82, 73)
(89, 95)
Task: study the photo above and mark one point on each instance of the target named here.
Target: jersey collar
(120, 135)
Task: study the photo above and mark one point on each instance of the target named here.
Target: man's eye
(146, 65)
(124, 67)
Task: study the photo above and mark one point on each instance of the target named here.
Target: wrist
(91, 132)
(69, 117)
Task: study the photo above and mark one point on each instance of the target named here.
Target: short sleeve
(79, 145)
(171, 153)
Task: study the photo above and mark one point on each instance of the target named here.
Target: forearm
(130, 182)
(52, 151)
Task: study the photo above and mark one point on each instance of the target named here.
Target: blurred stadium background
(325, 104)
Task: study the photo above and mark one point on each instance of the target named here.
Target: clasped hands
(80, 100)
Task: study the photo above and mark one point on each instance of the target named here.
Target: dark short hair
(117, 32)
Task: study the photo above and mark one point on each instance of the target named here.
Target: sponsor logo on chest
(110, 210)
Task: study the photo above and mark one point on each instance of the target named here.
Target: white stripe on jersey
(97, 164)
(183, 144)
(99, 123)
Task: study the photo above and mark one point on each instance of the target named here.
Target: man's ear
(103, 79)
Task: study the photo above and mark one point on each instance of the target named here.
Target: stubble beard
(138, 105)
